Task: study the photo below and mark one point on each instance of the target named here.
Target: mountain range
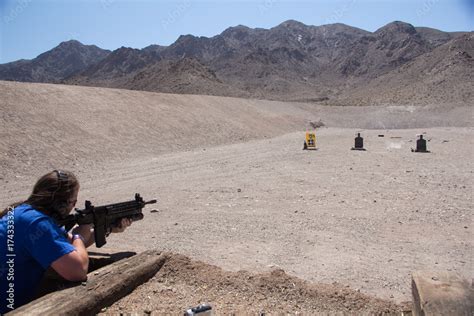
(333, 64)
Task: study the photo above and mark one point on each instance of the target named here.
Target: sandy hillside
(47, 126)
(235, 189)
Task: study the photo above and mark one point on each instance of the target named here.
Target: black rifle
(105, 217)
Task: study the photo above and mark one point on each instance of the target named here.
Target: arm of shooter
(74, 265)
(87, 231)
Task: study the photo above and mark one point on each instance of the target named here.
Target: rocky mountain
(63, 61)
(291, 61)
(442, 76)
(186, 76)
(117, 69)
(436, 37)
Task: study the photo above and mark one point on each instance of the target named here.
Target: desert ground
(239, 198)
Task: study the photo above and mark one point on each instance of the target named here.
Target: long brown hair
(51, 193)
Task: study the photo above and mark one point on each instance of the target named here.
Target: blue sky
(30, 27)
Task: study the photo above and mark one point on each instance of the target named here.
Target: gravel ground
(367, 220)
(240, 194)
(183, 283)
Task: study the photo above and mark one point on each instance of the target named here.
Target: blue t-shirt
(30, 242)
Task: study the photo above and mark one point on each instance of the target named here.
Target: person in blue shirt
(31, 241)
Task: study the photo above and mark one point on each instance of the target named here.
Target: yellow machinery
(310, 141)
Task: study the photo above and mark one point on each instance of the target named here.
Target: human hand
(124, 223)
(84, 230)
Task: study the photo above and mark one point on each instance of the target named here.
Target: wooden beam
(100, 259)
(441, 293)
(103, 287)
(53, 282)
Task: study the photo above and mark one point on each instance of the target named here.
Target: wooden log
(53, 282)
(441, 293)
(103, 287)
(101, 259)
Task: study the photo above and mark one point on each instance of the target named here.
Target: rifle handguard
(106, 216)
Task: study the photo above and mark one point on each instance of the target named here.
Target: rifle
(105, 217)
